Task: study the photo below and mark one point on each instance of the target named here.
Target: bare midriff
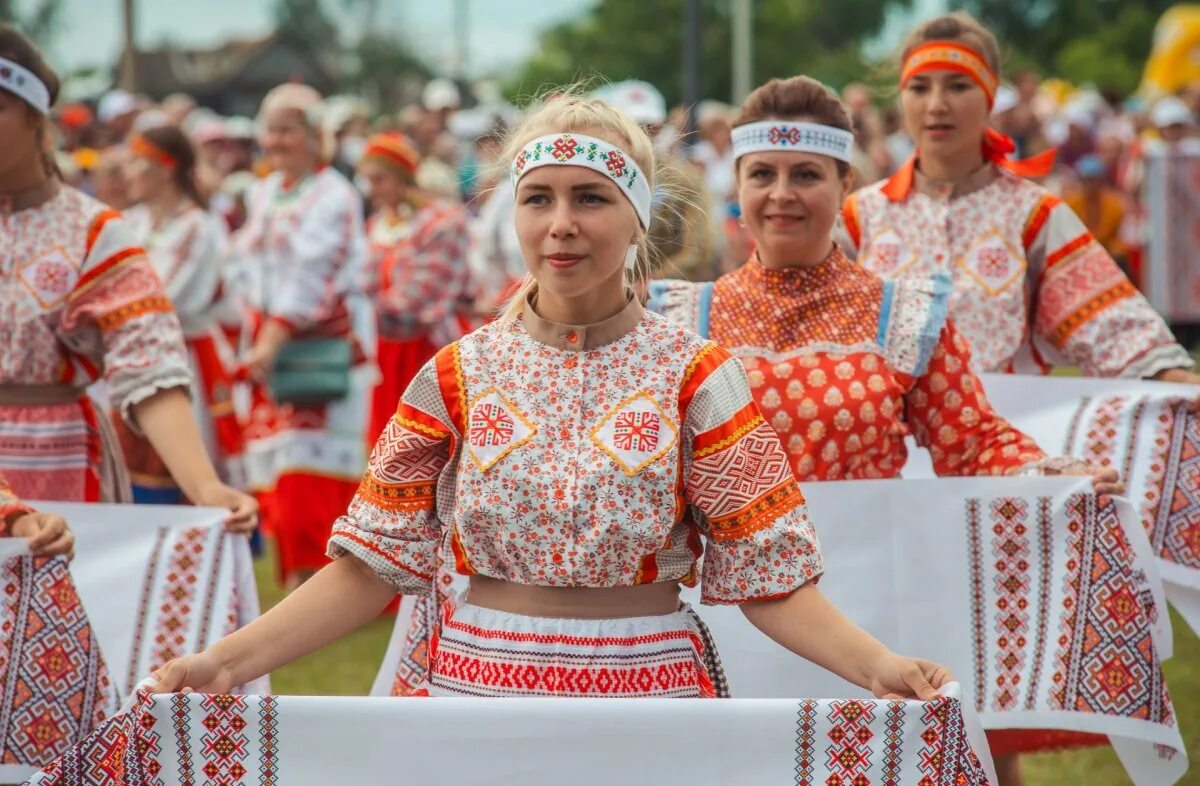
(642, 600)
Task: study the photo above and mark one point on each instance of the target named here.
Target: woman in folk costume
(187, 246)
(48, 534)
(301, 258)
(82, 303)
(842, 363)
(575, 459)
(1032, 287)
(423, 294)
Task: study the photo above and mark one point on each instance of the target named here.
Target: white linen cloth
(173, 739)
(933, 567)
(1143, 429)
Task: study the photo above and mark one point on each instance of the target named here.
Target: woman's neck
(294, 174)
(791, 257)
(586, 309)
(27, 177)
(165, 205)
(952, 168)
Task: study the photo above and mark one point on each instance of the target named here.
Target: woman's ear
(847, 182)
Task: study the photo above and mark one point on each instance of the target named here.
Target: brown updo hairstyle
(175, 143)
(16, 47)
(800, 99)
(958, 26)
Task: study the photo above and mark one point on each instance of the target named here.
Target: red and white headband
(566, 149)
(773, 135)
(23, 83)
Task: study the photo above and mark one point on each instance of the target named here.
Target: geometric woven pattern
(55, 688)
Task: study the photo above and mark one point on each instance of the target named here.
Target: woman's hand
(202, 672)
(261, 358)
(49, 535)
(243, 508)
(1105, 480)
(1182, 377)
(896, 677)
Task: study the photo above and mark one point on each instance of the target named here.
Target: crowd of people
(576, 354)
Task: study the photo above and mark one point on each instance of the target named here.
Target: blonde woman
(575, 459)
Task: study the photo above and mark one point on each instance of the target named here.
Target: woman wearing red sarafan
(842, 363)
(576, 459)
(418, 244)
(300, 256)
(187, 246)
(1032, 287)
(82, 303)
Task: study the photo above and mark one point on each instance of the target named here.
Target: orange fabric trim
(1067, 250)
(743, 422)
(900, 184)
(647, 572)
(759, 514)
(414, 419)
(97, 227)
(394, 148)
(850, 217)
(99, 271)
(155, 304)
(703, 364)
(1084, 314)
(371, 547)
(398, 497)
(452, 385)
(1037, 219)
(462, 563)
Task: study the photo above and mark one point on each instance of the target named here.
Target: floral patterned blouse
(594, 456)
(1032, 287)
(844, 365)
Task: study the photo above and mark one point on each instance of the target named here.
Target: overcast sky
(502, 32)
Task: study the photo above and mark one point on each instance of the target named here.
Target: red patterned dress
(1032, 287)
(606, 455)
(844, 365)
(300, 260)
(81, 303)
(188, 251)
(424, 298)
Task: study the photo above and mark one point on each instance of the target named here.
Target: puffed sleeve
(952, 418)
(740, 487)
(1086, 309)
(328, 252)
(119, 318)
(194, 281)
(392, 523)
(427, 278)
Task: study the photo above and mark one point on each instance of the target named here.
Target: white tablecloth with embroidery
(1143, 429)
(156, 582)
(1027, 588)
(309, 741)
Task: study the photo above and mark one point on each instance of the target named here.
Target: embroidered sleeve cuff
(769, 564)
(1161, 358)
(404, 565)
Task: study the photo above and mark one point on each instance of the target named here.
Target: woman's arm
(806, 623)
(340, 598)
(167, 421)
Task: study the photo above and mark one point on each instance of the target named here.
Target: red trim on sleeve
(1067, 250)
(452, 385)
(98, 224)
(96, 273)
(1037, 219)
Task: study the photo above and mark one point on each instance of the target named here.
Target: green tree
(1105, 42)
(306, 24)
(40, 22)
(643, 39)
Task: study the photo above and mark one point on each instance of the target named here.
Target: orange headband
(394, 149)
(951, 56)
(141, 146)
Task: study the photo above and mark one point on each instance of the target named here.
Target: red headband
(141, 146)
(954, 56)
(394, 149)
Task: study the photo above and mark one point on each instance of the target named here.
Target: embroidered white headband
(769, 135)
(595, 154)
(23, 83)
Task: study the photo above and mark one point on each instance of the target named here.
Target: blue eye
(592, 199)
(536, 199)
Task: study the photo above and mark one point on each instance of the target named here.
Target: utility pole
(692, 13)
(462, 37)
(128, 77)
(743, 49)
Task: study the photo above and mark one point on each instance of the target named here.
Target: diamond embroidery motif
(635, 433)
(888, 255)
(994, 263)
(494, 429)
(49, 277)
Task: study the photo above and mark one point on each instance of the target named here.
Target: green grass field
(348, 666)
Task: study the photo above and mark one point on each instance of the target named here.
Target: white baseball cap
(640, 100)
(1170, 111)
(440, 94)
(115, 103)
